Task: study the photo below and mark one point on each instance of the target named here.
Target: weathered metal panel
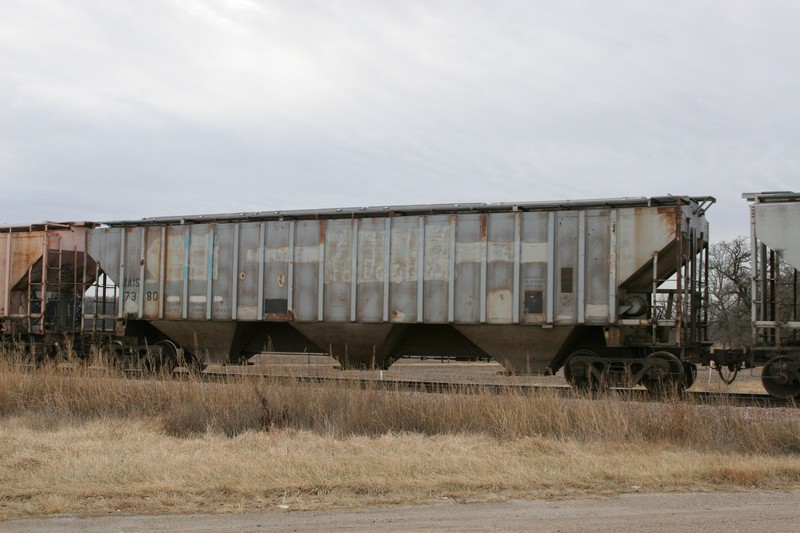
(597, 267)
(307, 254)
(533, 267)
(518, 348)
(469, 251)
(566, 268)
(500, 269)
(641, 232)
(27, 248)
(103, 244)
(371, 264)
(173, 285)
(210, 341)
(152, 272)
(404, 270)
(276, 274)
(250, 261)
(437, 266)
(771, 223)
(200, 247)
(132, 261)
(338, 270)
(361, 345)
(223, 275)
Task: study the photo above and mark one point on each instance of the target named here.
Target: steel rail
(735, 399)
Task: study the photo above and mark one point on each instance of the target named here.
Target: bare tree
(729, 279)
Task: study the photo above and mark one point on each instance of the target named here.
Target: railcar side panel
(596, 268)
(404, 270)
(438, 249)
(534, 259)
(249, 263)
(501, 254)
(278, 278)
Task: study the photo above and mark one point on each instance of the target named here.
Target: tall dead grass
(52, 396)
(102, 467)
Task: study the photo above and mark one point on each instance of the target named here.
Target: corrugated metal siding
(534, 258)
(500, 257)
(250, 260)
(437, 270)
(597, 267)
(556, 267)
(404, 269)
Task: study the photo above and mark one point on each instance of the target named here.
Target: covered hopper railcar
(613, 289)
(44, 272)
(775, 295)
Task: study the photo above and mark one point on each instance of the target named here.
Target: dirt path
(707, 512)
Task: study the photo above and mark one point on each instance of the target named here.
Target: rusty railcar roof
(700, 203)
(46, 226)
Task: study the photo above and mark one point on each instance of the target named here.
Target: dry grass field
(89, 441)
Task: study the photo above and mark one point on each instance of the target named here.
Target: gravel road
(707, 512)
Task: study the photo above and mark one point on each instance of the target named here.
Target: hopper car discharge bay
(612, 291)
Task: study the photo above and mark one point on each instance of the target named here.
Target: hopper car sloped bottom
(592, 285)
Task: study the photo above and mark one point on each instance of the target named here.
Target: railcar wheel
(780, 377)
(579, 370)
(666, 374)
(117, 353)
(162, 358)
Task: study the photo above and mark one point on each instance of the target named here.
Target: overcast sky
(125, 109)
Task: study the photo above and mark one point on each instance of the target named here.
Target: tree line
(729, 287)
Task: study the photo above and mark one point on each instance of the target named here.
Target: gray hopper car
(528, 284)
(775, 295)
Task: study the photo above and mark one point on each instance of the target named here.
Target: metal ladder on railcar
(105, 295)
(47, 314)
(37, 293)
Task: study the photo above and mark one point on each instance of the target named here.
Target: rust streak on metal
(668, 211)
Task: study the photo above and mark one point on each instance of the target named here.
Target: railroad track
(464, 386)
(737, 399)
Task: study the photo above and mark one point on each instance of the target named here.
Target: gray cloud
(133, 109)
